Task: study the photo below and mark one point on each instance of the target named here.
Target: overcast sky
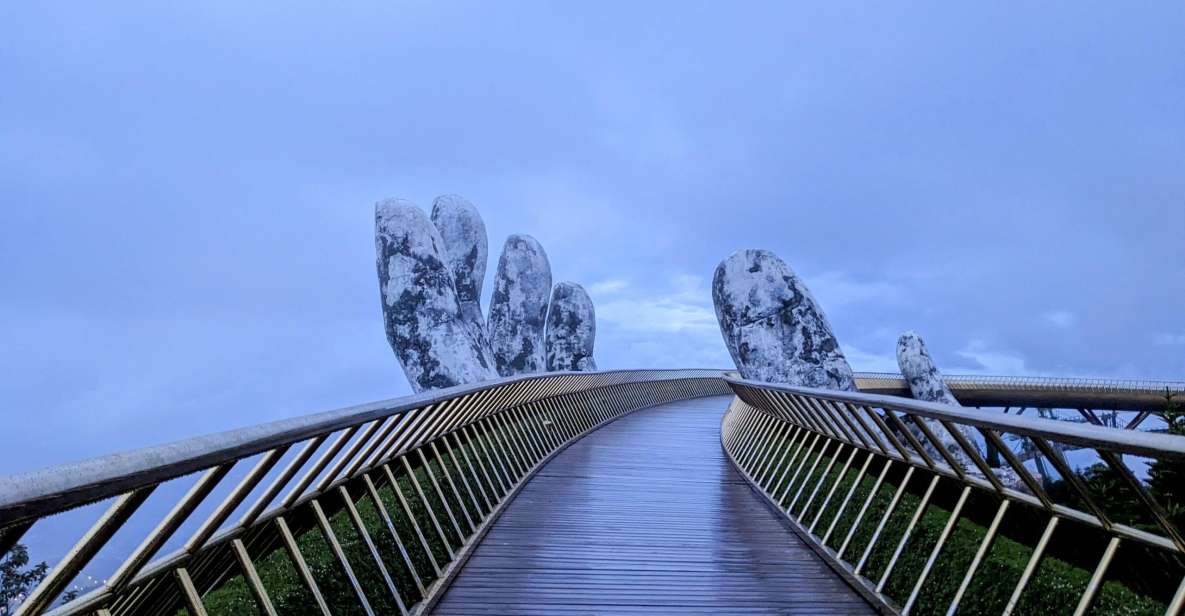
(187, 192)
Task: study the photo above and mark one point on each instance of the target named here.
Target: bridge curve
(645, 515)
(377, 508)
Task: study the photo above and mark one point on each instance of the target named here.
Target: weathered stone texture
(464, 234)
(421, 313)
(571, 329)
(518, 307)
(773, 327)
(926, 383)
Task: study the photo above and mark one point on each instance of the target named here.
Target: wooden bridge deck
(645, 516)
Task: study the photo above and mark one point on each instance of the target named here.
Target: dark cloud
(187, 192)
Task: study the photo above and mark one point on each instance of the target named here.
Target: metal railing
(1141, 396)
(430, 473)
(873, 481)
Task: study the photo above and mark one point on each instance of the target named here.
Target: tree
(1165, 476)
(16, 577)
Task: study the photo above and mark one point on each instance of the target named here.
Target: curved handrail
(354, 453)
(1133, 442)
(459, 454)
(787, 440)
(70, 485)
(1055, 392)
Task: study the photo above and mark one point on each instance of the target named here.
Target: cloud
(608, 287)
(863, 361)
(1062, 319)
(989, 361)
(838, 289)
(658, 314)
(663, 325)
(1169, 339)
(685, 304)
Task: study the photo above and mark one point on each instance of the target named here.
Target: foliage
(16, 577)
(1166, 478)
(285, 588)
(1054, 588)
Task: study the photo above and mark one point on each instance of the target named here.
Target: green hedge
(1054, 589)
(288, 593)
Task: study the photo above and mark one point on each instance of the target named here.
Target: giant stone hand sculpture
(772, 326)
(518, 308)
(430, 279)
(464, 234)
(926, 383)
(571, 329)
(424, 323)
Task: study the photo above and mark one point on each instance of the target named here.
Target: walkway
(645, 516)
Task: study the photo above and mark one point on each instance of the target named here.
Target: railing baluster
(796, 444)
(892, 508)
(298, 562)
(785, 448)
(167, 526)
(310, 475)
(390, 524)
(448, 509)
(807, 478)
(83, 551)
(415, 484)
(487, 468)
(360, 528)
(251, 576)
(985, 544)
(453, 486)
(340, 555)
(1158, 513)
(942, 537)
(331, 475)
(511, 446)
(771, 450)
(233, 500)
(10, 535)
(913, 522)
(843, 506)
(280, 481)
(1177, 604)
(495, 463)
(523, 426)
(1096, 578)
(1018, 466)
(1031, 567)
(831, 492)
(193, 601)
(411, 518)
(801, 465)
(769, 435)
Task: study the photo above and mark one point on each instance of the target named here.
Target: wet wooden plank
(645, 516)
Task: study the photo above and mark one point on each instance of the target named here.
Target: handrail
(66, 486)
(461, 454)
(1083, 435)
(892, 440)
(1038, 391)
(502, 430)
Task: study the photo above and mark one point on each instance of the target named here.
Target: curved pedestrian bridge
(635, 492)
(644, 516)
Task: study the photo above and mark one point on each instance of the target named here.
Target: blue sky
(186, 192)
